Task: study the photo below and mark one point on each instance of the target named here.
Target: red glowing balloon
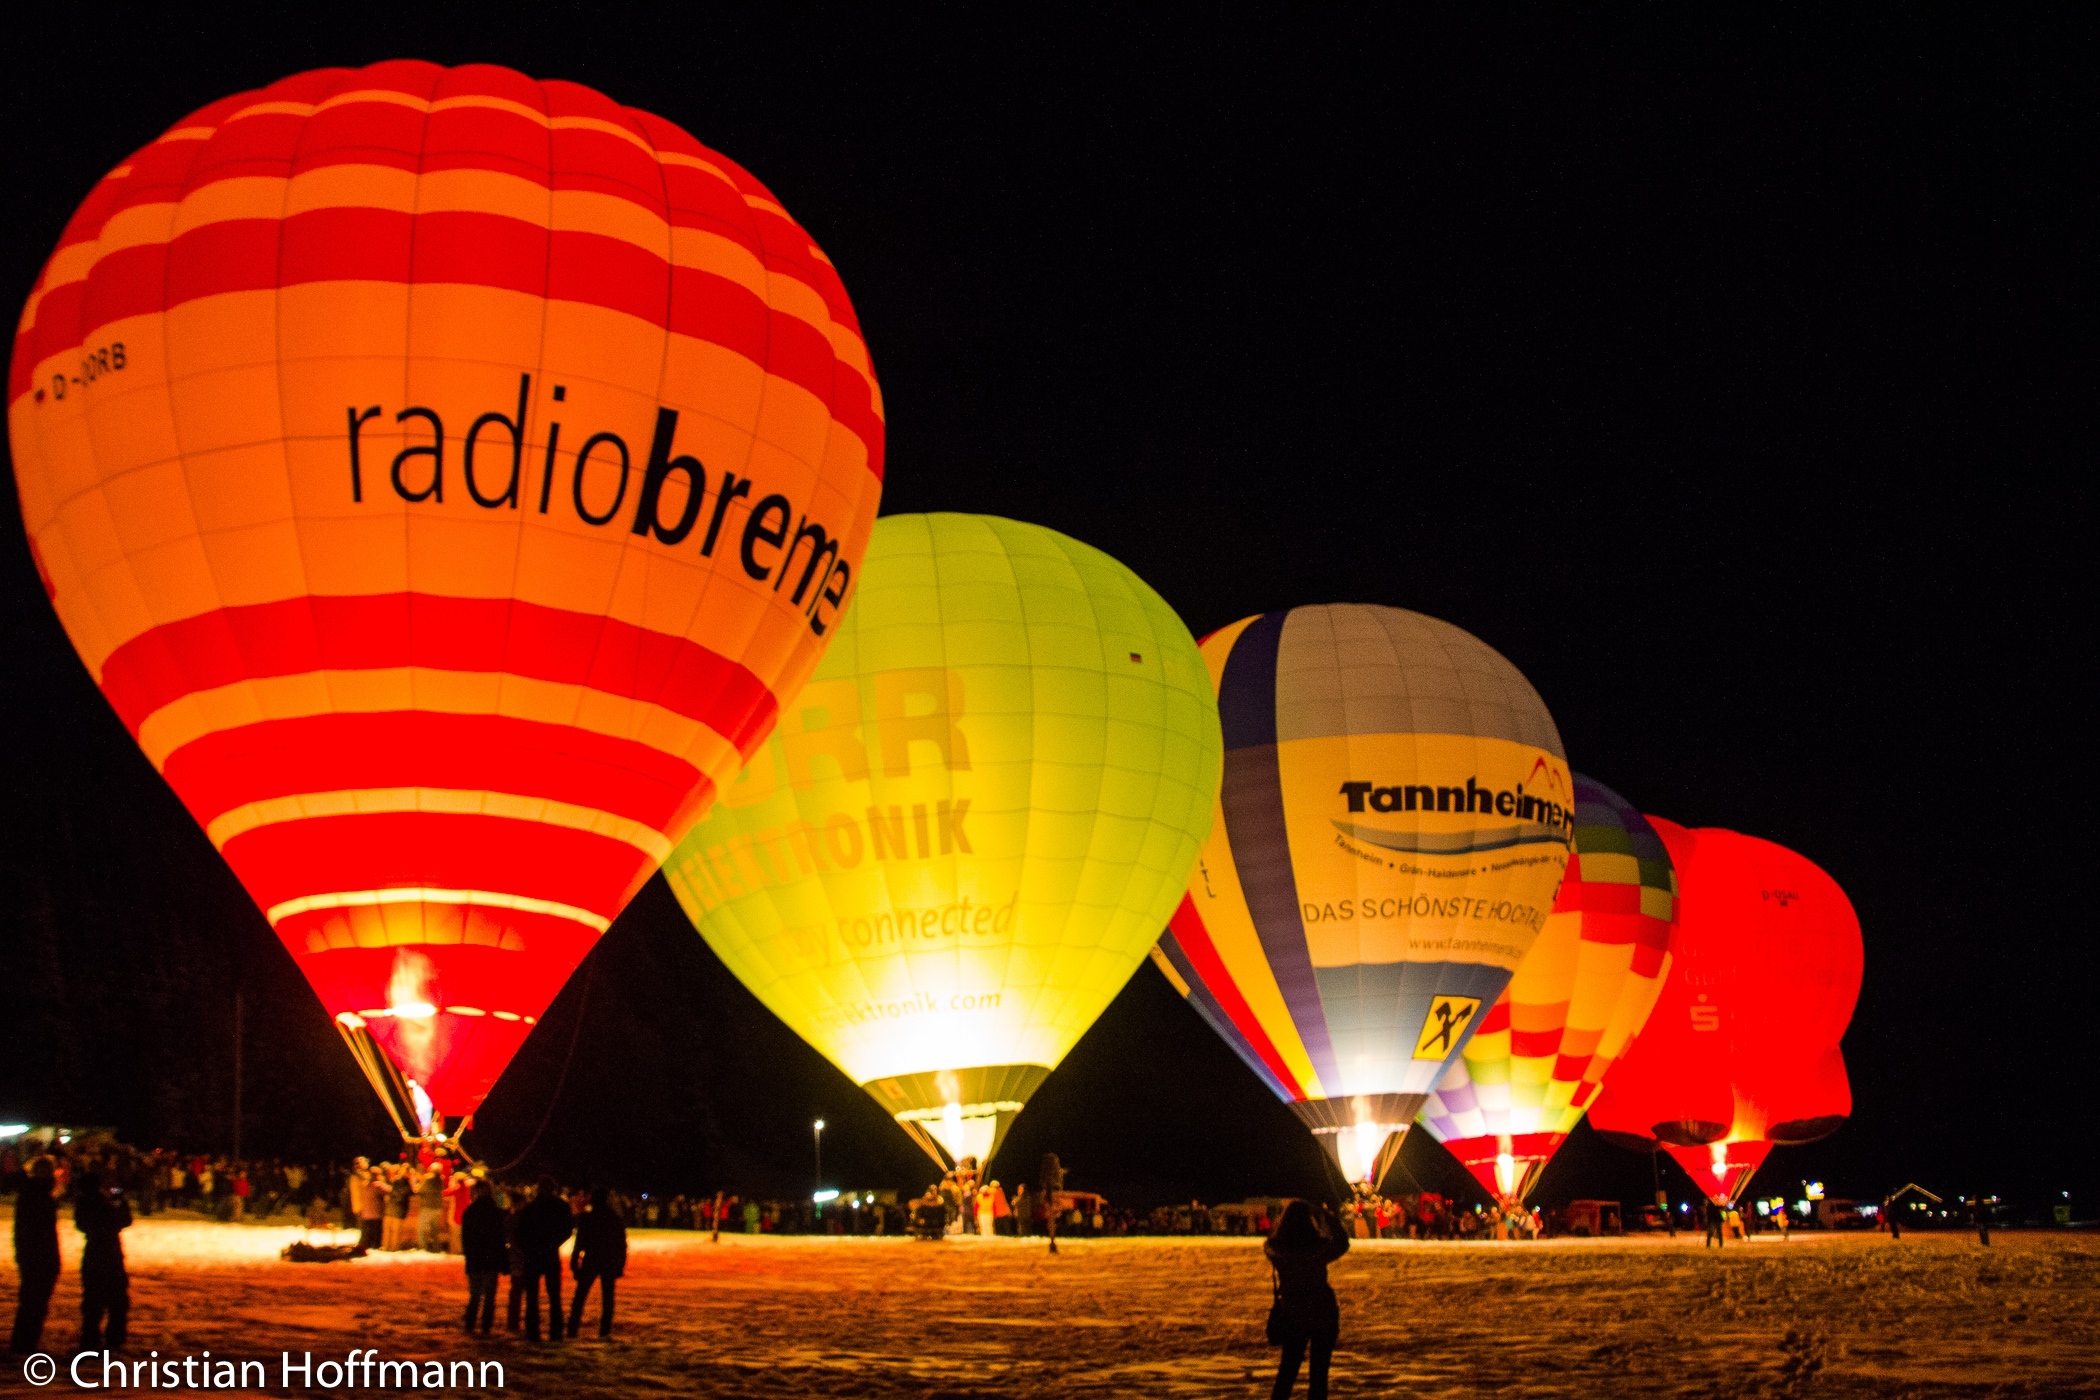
(1741, 1052)
(447, 477)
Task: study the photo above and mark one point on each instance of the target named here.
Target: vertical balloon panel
(444, 475)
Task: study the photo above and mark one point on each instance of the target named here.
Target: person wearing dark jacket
(105, 1289)
(36, 1255)
(1304, 1313)
(601, 1255)
(487, 1255)
(543, 1227)
(514, 1206)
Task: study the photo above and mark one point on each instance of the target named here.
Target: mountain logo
(1442, 1028)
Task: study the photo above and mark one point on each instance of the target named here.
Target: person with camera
(36, 1253)
(1303, 1313)
(105, 1287)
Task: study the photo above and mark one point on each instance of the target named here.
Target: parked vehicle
(1833, 1213)
(1590, 1218)
(1647, 1220)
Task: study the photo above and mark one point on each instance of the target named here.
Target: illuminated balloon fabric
(444, 474)
(1580, 995)
(1741, 1051)
(1392, 826)
(969, 828)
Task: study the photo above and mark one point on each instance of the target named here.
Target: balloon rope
(555, 1097)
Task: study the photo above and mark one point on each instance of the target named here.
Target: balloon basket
(417, 1122)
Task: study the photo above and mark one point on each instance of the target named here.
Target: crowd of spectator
(1426, 1215)
(417, 1201)
(154, 1181)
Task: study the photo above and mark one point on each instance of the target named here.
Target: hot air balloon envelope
(971, 824)
(1741, 1051)
(444, 475)
(1392, 825)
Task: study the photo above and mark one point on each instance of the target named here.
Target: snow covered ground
(760, 1316)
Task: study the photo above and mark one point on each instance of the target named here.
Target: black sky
(1722, 369)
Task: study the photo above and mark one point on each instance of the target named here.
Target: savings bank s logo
(1704, 1017)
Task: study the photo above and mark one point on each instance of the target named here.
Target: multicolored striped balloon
(1393, 823)
(445, 475)
(1579, 997)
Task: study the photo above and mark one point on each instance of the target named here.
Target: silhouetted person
(600, 1255)
(105, 1289)
(368, 1195)
(1716, 1225)
(1053, 1181)
(487, 1254)
(929, 1215)
(1980, 1212)
(516, 1307)
(400, 1196)
(1303, 1312)
(543, 1226)
(36, 1255)
(1895, 1222)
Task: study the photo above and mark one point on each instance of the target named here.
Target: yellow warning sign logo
(1447, 1021)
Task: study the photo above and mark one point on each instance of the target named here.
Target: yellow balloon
(968, 830)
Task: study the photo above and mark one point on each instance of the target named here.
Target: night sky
(1720, 372)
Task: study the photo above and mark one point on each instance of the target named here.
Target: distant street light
(820, 1158)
